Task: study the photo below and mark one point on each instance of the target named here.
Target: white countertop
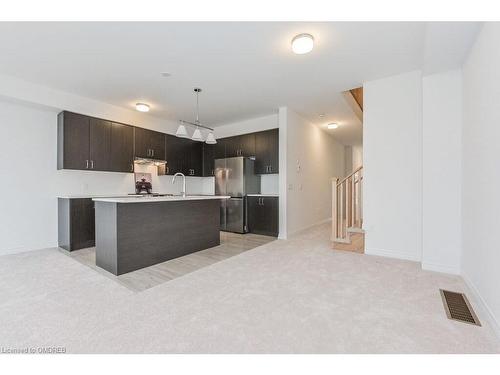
(82, 196)
(161, 199)
(263, 195)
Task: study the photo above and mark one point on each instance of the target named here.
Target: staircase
(347, 213)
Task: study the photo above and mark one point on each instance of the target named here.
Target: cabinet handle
(131, 167)
(91, 164)
(168, 170)
(212, 172)
(262, 201)
(153, 152)
(87, 164)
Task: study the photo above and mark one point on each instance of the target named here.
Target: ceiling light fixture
(142, 107)
(197, 136)
(333, 126)
(302, 43)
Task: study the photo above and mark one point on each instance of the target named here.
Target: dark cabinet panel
(208, 160)
(240, 145)
(267, 152)
(157, 142)
(122, 148)
(263, 215)
(76, 223)
(100, 144)
(274, 141)
(73, 139)
(262, 153)
(175, 154)
(149, 144)
(220, 149)
(247, 144)
(194, 159)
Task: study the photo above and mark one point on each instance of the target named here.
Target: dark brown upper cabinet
(73, 140)
(100, 144)
(88, 143)
(267, 152)
(240, 145)
(149, 144)
(122, 148)
(208, 160)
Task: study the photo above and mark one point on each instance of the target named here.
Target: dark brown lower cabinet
(76, 223)
(262, 214)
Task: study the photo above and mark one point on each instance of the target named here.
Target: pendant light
(211, 139)
(197, 136)
(181, 131)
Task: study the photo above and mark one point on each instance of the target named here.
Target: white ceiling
(245, 69)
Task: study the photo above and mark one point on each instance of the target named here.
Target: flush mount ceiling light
(333, 126)
(197, 136)
(142, 107)
(302, 43)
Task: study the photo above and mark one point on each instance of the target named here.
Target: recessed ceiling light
(302, 43)
(321, 115)
(142, 107)
(333, 126)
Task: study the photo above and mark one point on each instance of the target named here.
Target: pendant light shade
(197, 135)
(211, 139)
(181, 132)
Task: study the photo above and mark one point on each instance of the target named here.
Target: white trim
(392, 254)
(440, 268)
(295, 232)
(495, 324)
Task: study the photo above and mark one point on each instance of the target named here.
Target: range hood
(149, 161)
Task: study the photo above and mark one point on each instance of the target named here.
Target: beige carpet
(295, 296)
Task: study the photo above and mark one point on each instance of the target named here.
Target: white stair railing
(347, 204)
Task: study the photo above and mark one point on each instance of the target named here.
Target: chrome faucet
(183, 192)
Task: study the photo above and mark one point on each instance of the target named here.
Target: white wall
(481, 172)
(392, 143)
(353, 158)
(248, 126)
(442, 176)
(313, 159)
(28, 196)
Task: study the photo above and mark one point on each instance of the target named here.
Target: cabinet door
(232, 146)
(82, 223)
(254, 214)
(271, 208)
(220, 148)
(195, 158)
(208, 160)
(73, 141)
(100, 144)
(247, 142)
(175, 154)
(263, 215)
(122, 148)
(261, 152)
(141, 143)
(273, 144)
(157, 145)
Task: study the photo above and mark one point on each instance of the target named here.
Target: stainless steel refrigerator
(235, 177)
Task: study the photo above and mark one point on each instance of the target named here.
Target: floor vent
(458, 307)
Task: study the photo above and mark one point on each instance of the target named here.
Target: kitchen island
(133, 233)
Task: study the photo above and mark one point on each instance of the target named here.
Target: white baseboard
(392, 254)
(440, 268)
(495, 324)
